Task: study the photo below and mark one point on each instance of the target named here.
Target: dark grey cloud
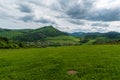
(27, 18)
(30, 18)
(102, 15)
(84, 11)
(76, 10)
(99, 29)
(76, 21)
(82, 15)
(100, 24)
(105, 15)
(45, 21)
(25, 8)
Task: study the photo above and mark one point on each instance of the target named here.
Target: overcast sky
(66, 15)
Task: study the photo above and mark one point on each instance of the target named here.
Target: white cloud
(66, 15)
(107, 4)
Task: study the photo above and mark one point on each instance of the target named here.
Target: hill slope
(98, 38)
(48, 36)
(49, 31)
(39, 34)
(10, 33)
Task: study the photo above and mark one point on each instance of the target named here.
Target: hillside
(50, 35)
(39, 34)
(98, 38)
(63, 40)
(45, 36)
(47, 31)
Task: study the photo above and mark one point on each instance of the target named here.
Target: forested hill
(31, 34)
(98, 38)
(49, 35)
(39, 34)
(45, 36)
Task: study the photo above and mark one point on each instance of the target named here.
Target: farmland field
(100, 62)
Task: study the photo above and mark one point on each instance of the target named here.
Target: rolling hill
(40, 34)
(51, 35)
(47, 31)
(45, 35)
(98, 38)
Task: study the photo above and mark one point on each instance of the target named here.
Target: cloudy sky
(66, 15)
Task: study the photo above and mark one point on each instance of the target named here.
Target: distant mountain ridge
(82, 34)
(46, 31)
(51, 34)
(98, 38)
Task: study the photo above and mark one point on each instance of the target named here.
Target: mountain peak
(48, 27)
(49, 30)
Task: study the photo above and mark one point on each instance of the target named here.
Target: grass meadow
(91, 62)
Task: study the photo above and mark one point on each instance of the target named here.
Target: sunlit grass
(90, 62)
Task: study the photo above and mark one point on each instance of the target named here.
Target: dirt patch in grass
(72, 72)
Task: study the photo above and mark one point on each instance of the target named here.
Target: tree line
(5, 43)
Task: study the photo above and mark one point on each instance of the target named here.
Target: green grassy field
(90, 62)
(63, 39)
